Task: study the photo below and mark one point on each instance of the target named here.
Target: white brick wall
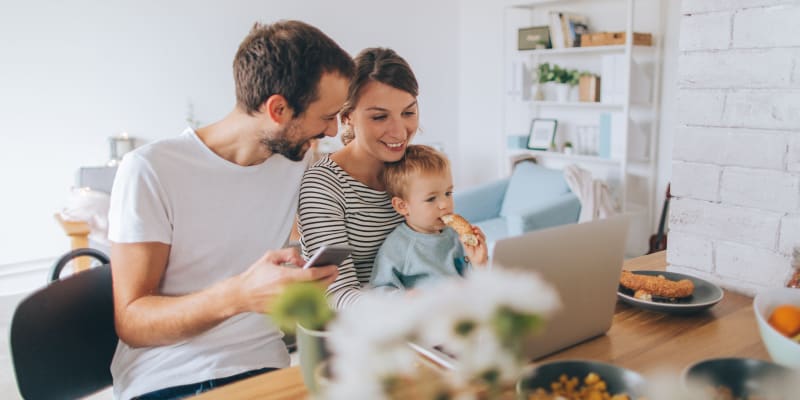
(769, 190)
(736, 161)
(698, 181)
(740, 224)
(751, 264)
(696, 251)
(700, 107)
(774, 108)
(790, 233)
(704, 6)
(732, 147)
(775, 68)
(767, 27)
(709, 31)
(793, 157)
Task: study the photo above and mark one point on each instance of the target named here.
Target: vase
(562, 92)
(537, 92)
(313, 350)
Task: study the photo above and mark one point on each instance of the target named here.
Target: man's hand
(145, 317)
(269, 276)
(478, 254)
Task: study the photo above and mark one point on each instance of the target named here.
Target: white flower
(375, 319)
(369, 339)
(522, 291)
(486, 356)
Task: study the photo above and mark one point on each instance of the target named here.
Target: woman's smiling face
(384, 121)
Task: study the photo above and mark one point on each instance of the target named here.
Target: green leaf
(304, 303)
(512, 327)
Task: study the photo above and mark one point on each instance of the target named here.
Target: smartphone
(329, 254)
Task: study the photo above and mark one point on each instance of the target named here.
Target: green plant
(545, 72)
(304, 304)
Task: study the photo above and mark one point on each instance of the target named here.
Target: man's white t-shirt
(219, 218)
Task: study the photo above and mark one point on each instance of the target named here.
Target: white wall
(480, 99)
(736, 168)
(74, 73)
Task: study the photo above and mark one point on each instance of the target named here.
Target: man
(192, 216)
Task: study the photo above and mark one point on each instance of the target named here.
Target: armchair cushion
(532, 186)
(481, 202)
(560, 210)
(494, 229)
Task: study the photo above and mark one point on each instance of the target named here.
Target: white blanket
(84, 204)
(594, 195)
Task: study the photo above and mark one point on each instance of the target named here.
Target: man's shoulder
(163, 148)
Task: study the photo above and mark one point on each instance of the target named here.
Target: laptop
(583, 262)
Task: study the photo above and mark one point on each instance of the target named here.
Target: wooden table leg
(78, 232)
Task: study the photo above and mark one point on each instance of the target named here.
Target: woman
(341, 198)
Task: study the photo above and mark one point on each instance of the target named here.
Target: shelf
(528, 4)
(577, 104)
(617, 48)
(569, 157)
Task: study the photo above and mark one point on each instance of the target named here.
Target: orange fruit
(785, 318)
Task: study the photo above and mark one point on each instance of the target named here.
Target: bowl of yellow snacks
(580, 380)
(740, 378)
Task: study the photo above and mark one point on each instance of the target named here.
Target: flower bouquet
(483, 319)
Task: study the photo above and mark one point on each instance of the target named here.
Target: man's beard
(281, 144)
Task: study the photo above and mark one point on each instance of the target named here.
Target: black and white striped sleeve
(321, 220)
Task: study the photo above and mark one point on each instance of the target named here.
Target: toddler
(423, 247)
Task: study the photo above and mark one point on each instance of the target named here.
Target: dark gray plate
(744, 377)
(705, 295)
(618, 380)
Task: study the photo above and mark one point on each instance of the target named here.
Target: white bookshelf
(612, 49)
(631, 172)
(578, 104)
(576, 158)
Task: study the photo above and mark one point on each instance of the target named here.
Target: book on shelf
(566, 29)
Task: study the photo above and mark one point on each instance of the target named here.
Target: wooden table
(640, 340)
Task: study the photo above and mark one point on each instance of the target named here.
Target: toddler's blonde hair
(418, 160)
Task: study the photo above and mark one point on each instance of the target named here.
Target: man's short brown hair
(286, 58)
(419, 160)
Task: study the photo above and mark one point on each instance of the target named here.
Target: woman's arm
(321, 212)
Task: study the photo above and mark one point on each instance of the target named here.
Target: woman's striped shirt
(335, 208)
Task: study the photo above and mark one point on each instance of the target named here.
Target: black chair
(63, 337)
(55, 271)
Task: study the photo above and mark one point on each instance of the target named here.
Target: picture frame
(542, 133)
(535, 37)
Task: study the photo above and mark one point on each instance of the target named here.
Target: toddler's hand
(479, 254)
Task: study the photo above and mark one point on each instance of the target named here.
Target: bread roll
(462, 227)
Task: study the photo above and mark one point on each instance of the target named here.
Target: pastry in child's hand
(462, 227)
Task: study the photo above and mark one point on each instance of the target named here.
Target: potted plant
(561, 80)
(567, 148)
(302, 309)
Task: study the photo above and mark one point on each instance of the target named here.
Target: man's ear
(277, 109)
(400, 206)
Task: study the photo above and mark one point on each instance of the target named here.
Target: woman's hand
(478, 254)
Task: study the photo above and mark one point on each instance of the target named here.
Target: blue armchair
(533, 198)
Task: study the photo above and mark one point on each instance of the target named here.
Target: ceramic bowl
(782, 349)
(618, 380)
(742, 377)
